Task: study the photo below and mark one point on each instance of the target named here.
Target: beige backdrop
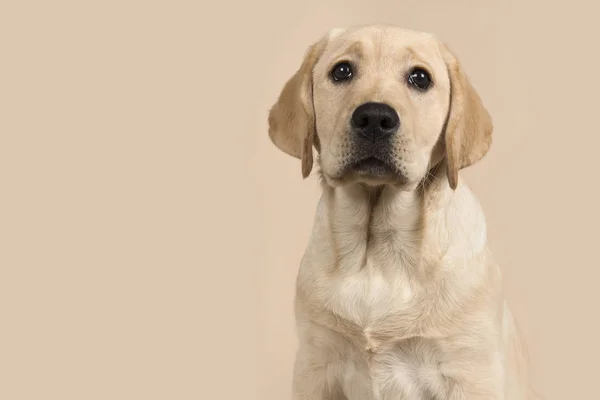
(150, 233)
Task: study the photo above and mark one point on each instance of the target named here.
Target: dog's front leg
(481, 382)
(314, 378)
(461, 392)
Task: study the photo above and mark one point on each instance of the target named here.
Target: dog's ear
(292, 118)
(468, 133)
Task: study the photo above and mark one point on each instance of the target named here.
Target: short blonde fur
(397, 296)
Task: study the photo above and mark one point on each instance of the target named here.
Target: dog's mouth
(372, 166)
(370, 170)
(373, 169)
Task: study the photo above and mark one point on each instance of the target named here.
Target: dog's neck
(411, 227)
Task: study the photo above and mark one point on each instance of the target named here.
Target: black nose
(375, 121)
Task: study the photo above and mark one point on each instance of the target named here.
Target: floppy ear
(292, 118)
(469, 127)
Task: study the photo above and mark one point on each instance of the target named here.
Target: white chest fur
(409, 372)
(403, 367)
(366, 296)
(366, 264)
(376, 276)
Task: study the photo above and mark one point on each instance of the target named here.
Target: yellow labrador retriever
(397, 294)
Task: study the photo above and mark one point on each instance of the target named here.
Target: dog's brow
(354, 50)
(417, 58)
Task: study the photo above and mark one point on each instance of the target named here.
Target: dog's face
(380, 99)
(382, 105)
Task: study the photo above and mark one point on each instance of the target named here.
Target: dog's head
(381, 105)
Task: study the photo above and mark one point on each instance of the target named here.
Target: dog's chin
(373, 171)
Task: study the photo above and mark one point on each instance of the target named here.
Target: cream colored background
(150, 233)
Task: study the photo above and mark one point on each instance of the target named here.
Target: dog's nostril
(386, 123)
(362, 122)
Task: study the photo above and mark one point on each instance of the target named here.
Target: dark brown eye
(419, 78)
(341, 72)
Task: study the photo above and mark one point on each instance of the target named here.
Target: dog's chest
(372, 297)
(367, 295)
(408, 371)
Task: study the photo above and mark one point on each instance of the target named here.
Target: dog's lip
(371, 169)
(372, 163)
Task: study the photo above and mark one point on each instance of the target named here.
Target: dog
(397, 295)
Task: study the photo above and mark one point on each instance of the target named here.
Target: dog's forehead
(373, 42)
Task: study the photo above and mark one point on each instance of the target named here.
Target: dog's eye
(420, 78)
(341, 72)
